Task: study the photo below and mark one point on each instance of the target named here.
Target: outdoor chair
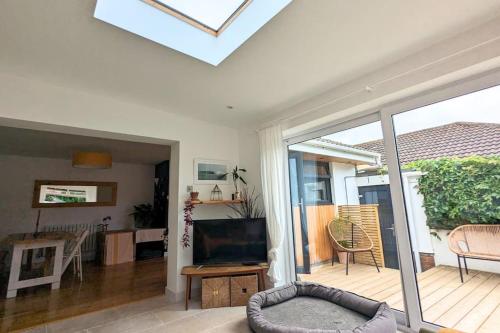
(73, 253)
(350, 238)
(475, 241)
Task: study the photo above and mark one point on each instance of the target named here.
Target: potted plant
(341, 231)
(249, 207)
(235, 173)
(144, 215)
(343, 255)
(194, 196)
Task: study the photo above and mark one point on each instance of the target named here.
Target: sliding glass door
(406, 209)
(342, 215)
(449, 161)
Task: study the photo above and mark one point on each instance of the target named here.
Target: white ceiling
(25, 142)
(310, 47)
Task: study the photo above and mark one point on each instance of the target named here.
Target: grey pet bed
(302, 307)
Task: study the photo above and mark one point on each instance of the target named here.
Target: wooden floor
(103, 287)
(472, 306)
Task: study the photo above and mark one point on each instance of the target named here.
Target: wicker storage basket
(215, 292)
(242, 288)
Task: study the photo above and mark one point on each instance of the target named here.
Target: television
(229, 241)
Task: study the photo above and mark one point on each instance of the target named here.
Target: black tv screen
(231, 241)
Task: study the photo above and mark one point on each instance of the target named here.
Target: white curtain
(273, 192)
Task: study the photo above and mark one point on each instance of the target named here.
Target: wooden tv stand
(213, 271)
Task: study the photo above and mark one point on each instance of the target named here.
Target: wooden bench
(475, 241)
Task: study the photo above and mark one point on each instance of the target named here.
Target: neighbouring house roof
(460, 139)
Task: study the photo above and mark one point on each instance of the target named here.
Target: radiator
(89, 246)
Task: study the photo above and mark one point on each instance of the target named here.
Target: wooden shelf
(216, 202)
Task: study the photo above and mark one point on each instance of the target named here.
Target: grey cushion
(302, 307)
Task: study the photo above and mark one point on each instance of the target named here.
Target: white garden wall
(421, 238)
(344, 188)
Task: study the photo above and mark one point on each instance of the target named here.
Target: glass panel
(449, 155)
(317, 190)
(211, 13)
(315, 168)
(342, 208)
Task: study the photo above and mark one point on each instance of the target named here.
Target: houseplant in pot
(249, 208)
(341, 232)
(236, 174)
(343, 255)
(144, 215)
(194, 196)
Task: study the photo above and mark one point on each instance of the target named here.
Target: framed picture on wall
(211, 171)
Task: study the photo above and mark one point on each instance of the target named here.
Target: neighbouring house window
(317, 187)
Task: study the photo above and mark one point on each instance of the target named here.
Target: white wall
(250, 156)
(420, 234)
(342, 175)
(35, 104)
(135, 186)
(372, 180)
(471, 53)
(417, 220)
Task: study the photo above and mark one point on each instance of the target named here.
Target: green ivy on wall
(460, 191)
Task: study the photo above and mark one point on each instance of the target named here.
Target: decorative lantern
(216, 194)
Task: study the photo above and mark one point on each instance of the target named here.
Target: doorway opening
(79, 237)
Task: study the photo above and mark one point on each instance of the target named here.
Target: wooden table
(21, 242)
(213, 271)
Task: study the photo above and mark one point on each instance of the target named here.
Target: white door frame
(412, 318)
(401, 317)
(410, 286)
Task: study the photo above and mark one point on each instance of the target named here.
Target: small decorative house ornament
(216, 194)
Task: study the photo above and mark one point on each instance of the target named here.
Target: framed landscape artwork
(211, 171)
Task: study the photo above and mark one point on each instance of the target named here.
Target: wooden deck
(472, 306)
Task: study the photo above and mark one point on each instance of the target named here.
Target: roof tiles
(460, 139)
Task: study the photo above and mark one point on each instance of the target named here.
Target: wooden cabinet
(116, 247)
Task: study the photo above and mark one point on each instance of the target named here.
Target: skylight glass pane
(212, 13)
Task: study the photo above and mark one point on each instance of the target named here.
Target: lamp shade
(92, 160)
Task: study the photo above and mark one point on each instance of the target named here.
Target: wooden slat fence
(320, 248)
(366, 216)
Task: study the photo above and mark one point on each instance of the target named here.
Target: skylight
(212, 16)
(183, 24)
